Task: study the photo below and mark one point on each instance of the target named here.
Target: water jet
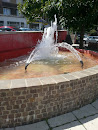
(49, 47)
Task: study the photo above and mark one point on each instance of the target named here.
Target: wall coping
(16, 32)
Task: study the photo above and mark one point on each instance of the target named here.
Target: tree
(80, 15)
(31, 9)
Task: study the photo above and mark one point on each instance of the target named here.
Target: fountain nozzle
(26, 66)
(81, 63)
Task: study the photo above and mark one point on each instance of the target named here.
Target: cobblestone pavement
(85, 118)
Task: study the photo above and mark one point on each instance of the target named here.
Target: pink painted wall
(14, 44)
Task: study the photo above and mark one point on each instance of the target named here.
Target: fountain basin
(64, 62)
(24, 101)
(28, 100)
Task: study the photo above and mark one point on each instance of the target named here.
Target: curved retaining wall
(24, 101)
(93, 46)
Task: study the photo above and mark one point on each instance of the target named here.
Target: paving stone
(93, 71)
(69, 76)
(46, 80)
(9, 129)
(85, 111)
(95, 67)
(32, 82)
(5, 84)
(76, 125)
(58, 78)
(95, 104)
(91, 122)
(36, 126)
(78, 74)
(63, 127)
(62, 119)
(86, 72)
(17, 83)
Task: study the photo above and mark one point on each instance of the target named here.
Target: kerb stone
(76, 125)
(62, 119)
(36, 126)
(85, 111)
(95, 104)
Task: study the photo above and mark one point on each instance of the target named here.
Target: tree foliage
(77, 14)
(31, 9)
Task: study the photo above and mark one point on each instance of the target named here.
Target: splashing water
(48, 47)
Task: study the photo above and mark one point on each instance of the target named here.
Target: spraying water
(48, 47)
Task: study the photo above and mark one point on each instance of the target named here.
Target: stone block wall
(24, 101)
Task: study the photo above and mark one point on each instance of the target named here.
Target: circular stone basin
(15, 68)
(30, 100)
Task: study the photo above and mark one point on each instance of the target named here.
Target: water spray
(48, 47)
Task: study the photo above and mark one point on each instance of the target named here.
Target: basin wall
(24, 101)
(14, 44)
(93, 46)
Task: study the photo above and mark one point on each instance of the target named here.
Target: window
(5, 0)
(1, 23)
(14, 24)
(22, 24)
(19, 1)
(17, 12)
(13, 1)
(6, 11)
(13, 12)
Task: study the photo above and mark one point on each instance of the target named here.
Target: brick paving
(85, 118)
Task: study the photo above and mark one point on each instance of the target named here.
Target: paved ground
(85, 118)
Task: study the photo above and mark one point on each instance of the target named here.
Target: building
(9, 15)
(39, 24)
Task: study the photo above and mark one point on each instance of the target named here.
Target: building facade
(9, 15)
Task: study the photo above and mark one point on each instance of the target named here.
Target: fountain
(25, 100)
(46, 50)
(48, 47)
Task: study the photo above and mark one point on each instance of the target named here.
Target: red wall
(14, 44)
(62, 36)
